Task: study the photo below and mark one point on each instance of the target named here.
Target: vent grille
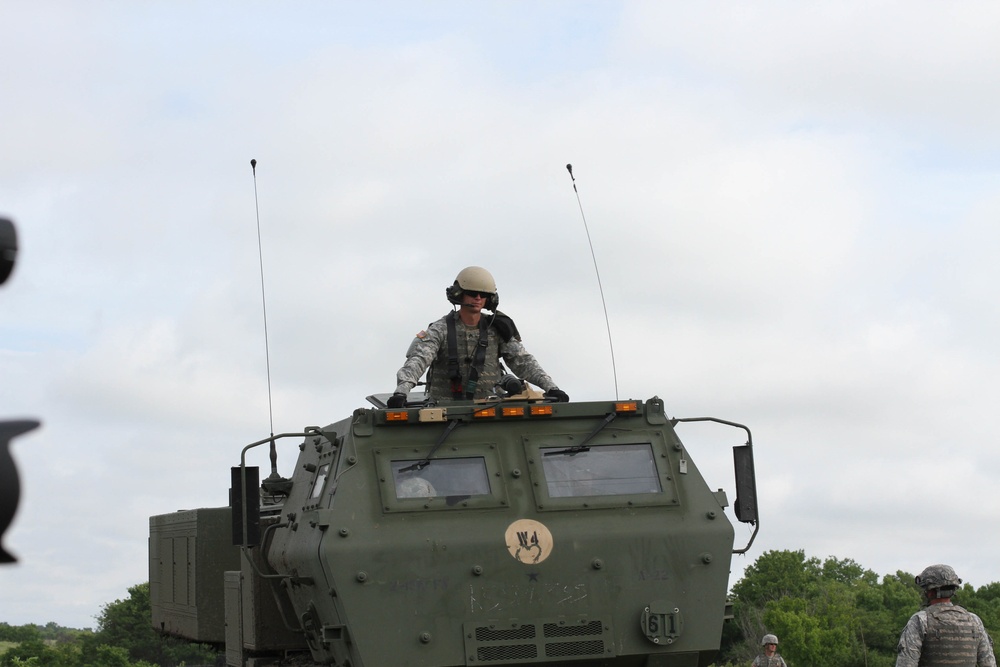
(574, 649)
(558, 630)
(519, 652)
(491, 634)
(546, 640)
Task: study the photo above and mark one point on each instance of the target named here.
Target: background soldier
(769, 653)
(463, 348)
(943, 633)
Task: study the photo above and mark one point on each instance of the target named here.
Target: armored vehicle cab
(477, 533)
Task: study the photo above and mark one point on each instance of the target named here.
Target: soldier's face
(474, 300)
(769, 649)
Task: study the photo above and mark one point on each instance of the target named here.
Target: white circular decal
(528, 541)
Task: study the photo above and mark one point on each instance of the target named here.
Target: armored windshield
(607, 470)
(463, 477)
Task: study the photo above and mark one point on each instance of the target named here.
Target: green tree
(830, 614)
(37, 653)
(25, 650)
(127, 625)
(778, 574)
(22, 633)
(775, 575)
(116, 656)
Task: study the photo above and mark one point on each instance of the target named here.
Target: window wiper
(424, 462)
(582, 447)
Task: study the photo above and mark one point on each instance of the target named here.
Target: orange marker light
(513, 412)
(485, 412)
(397, 416)
(541, 410)
(626, 406)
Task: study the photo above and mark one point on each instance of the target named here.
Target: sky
(794, 210)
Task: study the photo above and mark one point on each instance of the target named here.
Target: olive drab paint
(501, 532)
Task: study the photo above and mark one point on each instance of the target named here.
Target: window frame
(487, 451)
(534, 450)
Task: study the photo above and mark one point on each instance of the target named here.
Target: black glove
(558, 395)
(397, 400)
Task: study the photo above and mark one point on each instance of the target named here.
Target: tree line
(830, 613)
(124, 638)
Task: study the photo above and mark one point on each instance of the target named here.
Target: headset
(454, 293)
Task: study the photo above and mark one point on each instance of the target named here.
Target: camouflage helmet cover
(937, 576)
(769, 639)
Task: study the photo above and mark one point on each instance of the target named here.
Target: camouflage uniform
(945, 634)
(764, 661)
(430, 349)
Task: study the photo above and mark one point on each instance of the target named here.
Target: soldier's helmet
(474, 279)
(938, 576)
(769, 639)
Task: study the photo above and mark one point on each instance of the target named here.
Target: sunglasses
(481, 295)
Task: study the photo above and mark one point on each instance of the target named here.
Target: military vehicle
(501, 532)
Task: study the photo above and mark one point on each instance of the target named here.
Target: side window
(320, 481)
(324, 481)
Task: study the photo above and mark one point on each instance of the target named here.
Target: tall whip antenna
(263, 301)
(607, 321)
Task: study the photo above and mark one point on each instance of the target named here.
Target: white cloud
(792, 210)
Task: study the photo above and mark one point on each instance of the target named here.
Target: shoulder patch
(422, 334)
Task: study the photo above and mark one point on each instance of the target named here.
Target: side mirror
(745, 506)
(244, 499)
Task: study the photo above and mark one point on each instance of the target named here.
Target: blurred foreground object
(10, 487)
(8, 249)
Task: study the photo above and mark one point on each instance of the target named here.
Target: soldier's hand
(397, 400)
(558, 395)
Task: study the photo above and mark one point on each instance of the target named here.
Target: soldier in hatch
(463, 349)
(943, 633)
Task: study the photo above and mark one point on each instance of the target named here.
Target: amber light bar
(626, 406)
(485, 412)
(513, 412)
(537, 410)
(397, 415)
